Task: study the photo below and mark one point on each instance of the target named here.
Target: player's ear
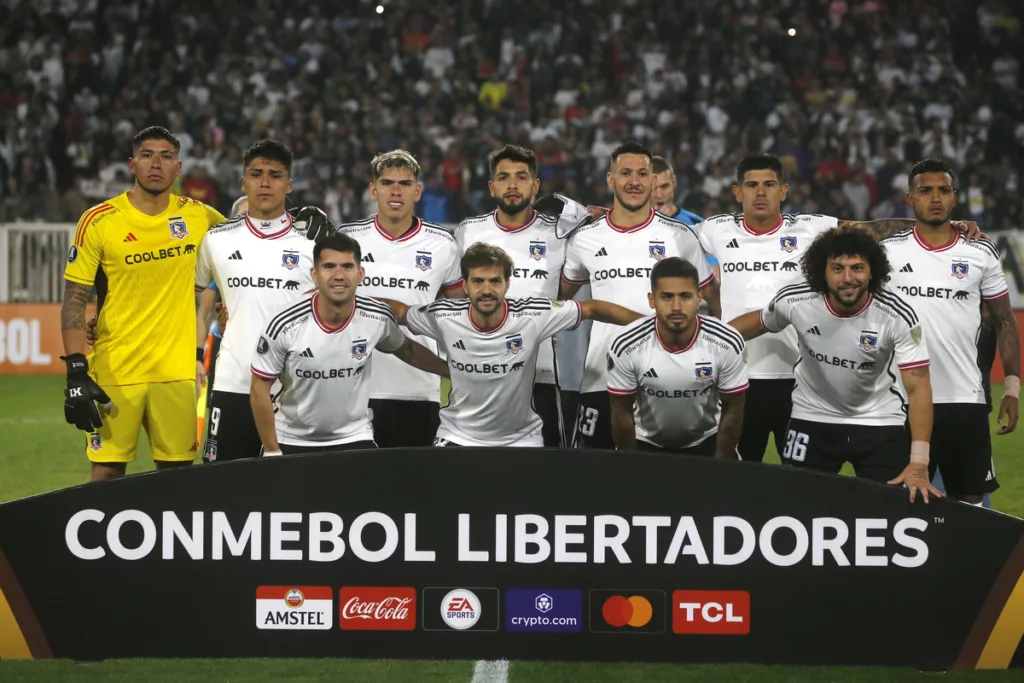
(536, 186)
(373, 190)
(362, 274)
(785, 190)
(736, 190)
(609, 177)
(490, 188)
(289, 186)
(650, 299)
(419, 190)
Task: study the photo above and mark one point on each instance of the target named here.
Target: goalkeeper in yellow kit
(142, 368)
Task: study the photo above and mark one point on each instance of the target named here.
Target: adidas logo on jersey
(368, 258)
(459, 345)
(814, 330)
(601, 252)
(308, 353)
(733, 244)
(130, 238)
(237, 256)
(651, 373)
(907, 269)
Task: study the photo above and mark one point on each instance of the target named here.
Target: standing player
(759, 251)
(674, 366)
(616, 254)
(259, 263)
(530, 239)
(947, 279)
(492, 346)
(142, 364)
(847, 404)
(411, 261)
(322, 349)
(663, 195)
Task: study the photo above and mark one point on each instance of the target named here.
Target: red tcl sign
(714, 612)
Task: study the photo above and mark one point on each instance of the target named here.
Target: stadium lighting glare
(791, 31)
(380, 9)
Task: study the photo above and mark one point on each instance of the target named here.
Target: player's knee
(102, 471)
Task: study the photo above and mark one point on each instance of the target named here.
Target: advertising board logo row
(529, 610)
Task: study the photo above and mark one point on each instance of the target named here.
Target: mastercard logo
(619, 611)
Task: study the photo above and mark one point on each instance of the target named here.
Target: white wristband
(919, 452)
(1011, 385)
(271, 454)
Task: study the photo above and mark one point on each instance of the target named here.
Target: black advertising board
(513, 553)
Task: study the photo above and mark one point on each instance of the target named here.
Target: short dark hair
(273, 150)
(155, 133)
(674, 266)
(338, 241)
(630, 147)
(514, 153)
(758, 162)
(932, 165)
(660, 165)
(845, 241)
(480, 255)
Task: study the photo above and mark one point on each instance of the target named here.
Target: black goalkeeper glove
(549, 205)
(82, 394)
(312, 222)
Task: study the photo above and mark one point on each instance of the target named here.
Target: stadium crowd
(848, 93)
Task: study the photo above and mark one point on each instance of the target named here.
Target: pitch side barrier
(481, 554)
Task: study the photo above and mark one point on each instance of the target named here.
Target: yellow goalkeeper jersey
(147, 326)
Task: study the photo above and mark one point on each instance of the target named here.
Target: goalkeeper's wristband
(200, 354)
(1011, 386)
(77, 365)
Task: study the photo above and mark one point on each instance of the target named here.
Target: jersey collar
(766, 232)
(504, 317)
(631, 228)
(520, 228)
(867, 303)
(942, 247)
(696, 333)
(278, 227)
(320, 321)
(408, 235)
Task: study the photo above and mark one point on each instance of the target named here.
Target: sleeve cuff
(707, 281)
(735, 390)
(568, 279)
(453, 285)
(914, 364)
(760, 320)
(200, 288)
(1001, 294)
(263, 375)
(79, 280)
(579, 315)
(621, 392)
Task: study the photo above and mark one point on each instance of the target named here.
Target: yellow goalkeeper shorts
(167, 410)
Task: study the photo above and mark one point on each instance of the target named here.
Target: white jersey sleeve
(420, 320)
(563, 315)
(775, 317)
(732, 377)
(575, 271)
(271, 354)
(993, 279)
(204, 269)
(911, 349)
(623, 378)
(690, 249)
(392, 338)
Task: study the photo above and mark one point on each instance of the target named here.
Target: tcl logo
(714, 612)
(377, 608)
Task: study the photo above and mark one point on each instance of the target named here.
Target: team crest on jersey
(868, 341)
(359, 349)
(538, 250)
(424, 260)
(960, 269)
(703, 372)
(177, 227)
(514, 344)
(788, 243)
(656, 250)
(290, 260)
(95, 441)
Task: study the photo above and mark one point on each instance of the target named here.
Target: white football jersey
(845, 374)
(324, 372)
(538, 254)
(259, 267)
(412, 269)
(493, 371)
(677, 391)
(754, 267)
(617, 262)
(946, 286)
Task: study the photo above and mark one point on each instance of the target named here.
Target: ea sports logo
(294, 598)
(460, 609)
(619, 611)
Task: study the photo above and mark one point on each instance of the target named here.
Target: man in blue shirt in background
(663, 198)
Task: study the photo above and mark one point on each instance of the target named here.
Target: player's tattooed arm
(623, 425)
(1008, 339)
(421, 358)
(72, 316)
(730, 425)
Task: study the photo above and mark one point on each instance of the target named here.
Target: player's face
(675, 301)
(664, 191)
(486, 288)
(266, 184)
(932, 198)
(337, 276)
(513, 187)
(847, 279)
(631, 181)
(761, 194)
(155, 166)
(396, 192)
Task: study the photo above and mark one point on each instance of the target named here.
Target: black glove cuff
(77, 364)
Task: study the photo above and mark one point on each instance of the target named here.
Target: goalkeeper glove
(313, 223)
(82, 394)
(569, 214)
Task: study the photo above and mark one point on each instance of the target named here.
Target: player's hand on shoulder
(82, 394)
(312, 222)
(970, 229)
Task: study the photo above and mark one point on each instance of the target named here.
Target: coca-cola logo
(377, 608)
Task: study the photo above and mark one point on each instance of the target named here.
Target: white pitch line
(490, 671)
(29, 420)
